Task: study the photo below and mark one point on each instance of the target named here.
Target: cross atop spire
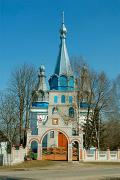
(63, 30)
(63, 17)
(63, 63)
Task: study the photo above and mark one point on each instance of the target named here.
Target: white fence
(96, 155)
(16, 156)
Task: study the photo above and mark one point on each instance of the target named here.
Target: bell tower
(63, 78)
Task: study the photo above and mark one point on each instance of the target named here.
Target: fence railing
(16, 156)
(97, 155)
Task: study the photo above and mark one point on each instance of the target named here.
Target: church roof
(63, 66)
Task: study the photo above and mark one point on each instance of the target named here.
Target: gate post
(108, 154)
(39, 152)
(96, 154)
(80, 154)
(118, 154)
(69, 152)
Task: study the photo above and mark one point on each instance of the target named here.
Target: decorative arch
(73, 140)
(54, 129)
(34, 139)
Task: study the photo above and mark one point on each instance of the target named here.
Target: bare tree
(101, 102)
(112, 125)
(21, 85)
(94, 92)
(112, 134)
(8, 117)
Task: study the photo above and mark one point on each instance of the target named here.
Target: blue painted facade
(33, 123)
(85, 105)
(61, 82)
(40, 104)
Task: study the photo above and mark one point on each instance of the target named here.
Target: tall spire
(41, 83)
(63, 66)
(41, 93)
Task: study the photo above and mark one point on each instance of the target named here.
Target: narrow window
(54, 110)
(55, 99)
(70, 99)
(51, 134)
(71, 112)
(62, 99)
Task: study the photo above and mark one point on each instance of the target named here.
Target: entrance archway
(54, 145)
(34, 149)
(75, 151)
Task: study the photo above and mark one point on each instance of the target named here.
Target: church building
(55, 124)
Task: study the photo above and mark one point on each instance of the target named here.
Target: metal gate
(75, 154)
(55, 153)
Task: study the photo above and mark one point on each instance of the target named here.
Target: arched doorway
(34, 149)
(75, 151)
(54, 146)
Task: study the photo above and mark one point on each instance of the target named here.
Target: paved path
(65, 172)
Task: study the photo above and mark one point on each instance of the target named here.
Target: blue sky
(29, 32)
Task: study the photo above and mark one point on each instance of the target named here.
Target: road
(64, 171)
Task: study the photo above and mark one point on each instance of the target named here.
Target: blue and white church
(55, 120)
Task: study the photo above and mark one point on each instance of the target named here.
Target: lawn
(28, 164)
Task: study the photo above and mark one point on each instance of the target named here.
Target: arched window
(54, 110)
(71, 112)
(63, 81)
(51, 134)
(71, 82)
(63, 99)
(70, 99)
(53, 82)
(55, 99)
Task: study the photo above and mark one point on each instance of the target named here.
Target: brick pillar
(69, 152)
(108, 154)
(118, 154)
(96, 154)
(27, 149)
(84, 152)
(21, 152)
(39, 152)
(80, 154)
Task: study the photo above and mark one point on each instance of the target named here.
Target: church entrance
(34, 149)
(75, 151)
(55, 146)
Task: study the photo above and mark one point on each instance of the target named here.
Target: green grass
(102, 163)
(28, 164)
(35, 155)
(111, 178)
